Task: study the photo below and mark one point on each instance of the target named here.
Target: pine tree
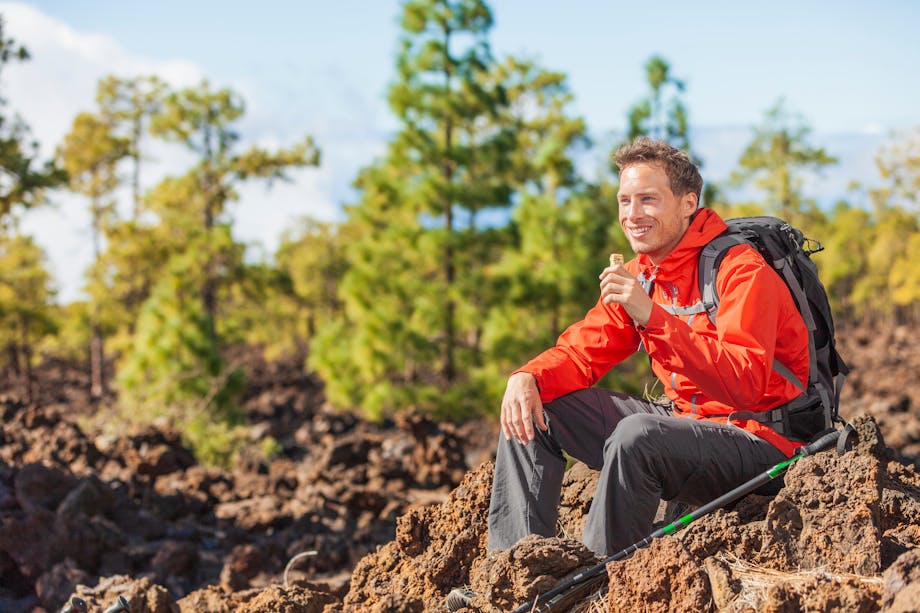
(128, 106)
(23, 180)
(898, 164)
(26, 313)
(413, 294)
(893, 257)
(204, 121)
(776, 160)
(662, 114)
(90, 154)
(562, 228)
(174, 362)
(312, 256)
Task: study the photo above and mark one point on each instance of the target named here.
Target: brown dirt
(395, 524)
(79, 508)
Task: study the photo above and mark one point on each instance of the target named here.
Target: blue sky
(322, 68)
(847, 65)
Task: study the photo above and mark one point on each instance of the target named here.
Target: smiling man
(680, 446)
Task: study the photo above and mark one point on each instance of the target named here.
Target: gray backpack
(787, 250)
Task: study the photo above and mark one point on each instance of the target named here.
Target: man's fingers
(539, 418)
(506, 429)
(527, 419)
(516, 430)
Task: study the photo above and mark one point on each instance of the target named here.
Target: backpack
(788, 251)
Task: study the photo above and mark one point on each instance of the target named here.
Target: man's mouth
(638, 231)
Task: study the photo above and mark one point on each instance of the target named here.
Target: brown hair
(683, 174)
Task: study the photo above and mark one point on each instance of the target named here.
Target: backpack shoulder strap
(711, 258)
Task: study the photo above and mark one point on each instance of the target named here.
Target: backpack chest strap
(692, 309)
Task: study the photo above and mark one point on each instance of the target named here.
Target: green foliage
(215, 443)
(174, 358)
(23, 180)
(899, 165)
(72, 332)
(661, 114)
(373, 348)
(415, 294)
(905, 275)
(562, 228)
(204, 121)
(175, 371)
(127, 106)
(26, 313)
(281, 307)
(90, 154)
(869, 264)
(888, 242)
(313, 257)
(776, 160)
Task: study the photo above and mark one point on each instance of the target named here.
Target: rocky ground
(353, 516)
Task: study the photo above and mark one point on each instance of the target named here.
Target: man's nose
(632, 209)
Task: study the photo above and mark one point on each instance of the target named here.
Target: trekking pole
(587, 580)
(76, 605)
(120, 605)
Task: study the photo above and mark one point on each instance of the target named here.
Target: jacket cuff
(657, 320)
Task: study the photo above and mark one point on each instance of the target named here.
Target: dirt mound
(433, 551)
(822, 544)
(842, 534)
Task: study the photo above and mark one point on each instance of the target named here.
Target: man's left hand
(619, 286)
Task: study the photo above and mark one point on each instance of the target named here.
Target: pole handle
(819, 445)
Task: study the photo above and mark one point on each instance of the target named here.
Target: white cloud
(60, 81)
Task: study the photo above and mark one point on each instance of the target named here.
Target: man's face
(652, 217)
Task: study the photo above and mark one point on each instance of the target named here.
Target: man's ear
(691, 202)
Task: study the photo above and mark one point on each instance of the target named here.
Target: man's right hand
(520, 407)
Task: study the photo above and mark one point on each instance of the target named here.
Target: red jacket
(705, 369)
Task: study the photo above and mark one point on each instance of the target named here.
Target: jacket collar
(681, 261)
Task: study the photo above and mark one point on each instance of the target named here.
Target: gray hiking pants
(644, 455)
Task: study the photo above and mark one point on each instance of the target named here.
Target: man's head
(659, 193)
(682, 173)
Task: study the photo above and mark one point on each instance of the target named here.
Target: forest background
(469, 237)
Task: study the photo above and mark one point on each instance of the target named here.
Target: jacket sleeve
(584, 352)
(734, 364)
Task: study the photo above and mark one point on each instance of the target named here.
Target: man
(681, 447)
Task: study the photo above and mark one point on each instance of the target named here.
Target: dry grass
(595, 603)
(756, 581)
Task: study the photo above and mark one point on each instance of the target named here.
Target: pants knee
(634, 435)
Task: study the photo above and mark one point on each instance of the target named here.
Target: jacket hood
(706, 225)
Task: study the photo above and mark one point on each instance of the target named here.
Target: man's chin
(639, 248)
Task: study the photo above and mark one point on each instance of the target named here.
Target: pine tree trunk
(449, 273)
(209, 287)
(97, 364)
(26, 355)
(13, 373)
(136, 171)
(96, 358)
